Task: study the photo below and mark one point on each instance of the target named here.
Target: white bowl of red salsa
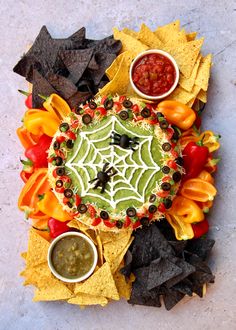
(72, 257)
(154, 74)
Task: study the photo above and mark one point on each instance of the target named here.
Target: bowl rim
(156, 51)
(53, 270)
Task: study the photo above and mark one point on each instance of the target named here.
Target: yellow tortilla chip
(191, 102)
(185, 55)
(131, 33)
(24, 255)
(84, 229)
(38, 275)
(114, 248)
(37, 249)
(203, 74)
(175, 37)
(123, 286)
(52, 290)
(147, 37)
(128, 42)
(119, 83)
(101, 283)
(85, 299)
(202, 96)
(191, 36)
(181, 95)
(188, 83)
(114, 67)
(100, 250)
(162, 32)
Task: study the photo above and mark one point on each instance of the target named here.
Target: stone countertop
(20, 23)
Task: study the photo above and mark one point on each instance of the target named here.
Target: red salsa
(154, 74)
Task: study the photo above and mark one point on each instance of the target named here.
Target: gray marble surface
(20, 23)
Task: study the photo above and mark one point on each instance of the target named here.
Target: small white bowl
(53, 270)
(154, 51)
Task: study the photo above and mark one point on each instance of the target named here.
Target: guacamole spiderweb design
(137, 171)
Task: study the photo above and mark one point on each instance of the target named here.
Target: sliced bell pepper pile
(26, 138)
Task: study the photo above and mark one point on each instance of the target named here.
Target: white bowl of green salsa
(72, 257)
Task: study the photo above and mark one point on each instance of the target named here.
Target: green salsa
(72, 257)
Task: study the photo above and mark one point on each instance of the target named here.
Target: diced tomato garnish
(117, 106)
(103, 99)
(161, 208)
(65, 200)
(60, 154)
(50, 159)
(174, 153)
(150, 216)
(96, 221)
(65, 178)
(122, 98)
(163, 193)
(166, 178)
(54, 173)
(77, 200)
(109, 224)
(170, 132)
(90, 112)
(101, 110)
(91, 210)
(60, 190)
(153, 121)
(127, 222)
(74, 124)
(135, 108)
(60, 138)
(71, 135)
(172, 164)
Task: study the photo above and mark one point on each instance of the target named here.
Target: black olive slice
(144, 221)
(168, 203)
(164, 124)
(152, 198)
(59, 183)
(152, 209)
(127, 104)
(86, 119)
(82, 208)
(131, 212)
(166, 186)
(177, 176)
(60, 171)
(145, 113)
(165, 169)
(58, 161)
(56, 145)
(159, 115)
(108, 104)
(64, 127)
(119, 224)
(69, 144)
(78, 110)
(68, 193)
(179, 161)
(92, 105)
(104, 215)
(69, 204)
(124, 115)
(166, 146)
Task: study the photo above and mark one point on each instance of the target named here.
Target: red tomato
(77, 200)
(60, 190)
(60, 138)
(96, 221)
(172, 164)
(136, 224)
(90, 112)
(109, 224)
(163, 194)
(161, 207)
(166, 178)
(117, 106)
(101, 110)
(127, 222)
(71, 135)
(92, 211)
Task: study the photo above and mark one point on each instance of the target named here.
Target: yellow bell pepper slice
(210, 140)
(206, 176)
(39, 121)
(51, 207)
(177, 113)
(186, 210)
(198, 190)
(183, 230)
(56, 106)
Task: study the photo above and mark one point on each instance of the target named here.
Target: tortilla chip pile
(166, 268)
(74, 67)
(105, 284)
(184, 47)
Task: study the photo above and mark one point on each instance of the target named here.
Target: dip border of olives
(50, 264)
(160, 52)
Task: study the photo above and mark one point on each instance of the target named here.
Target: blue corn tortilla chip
(40, 86)
(171, 298)
(186, 268)
(64, 87)
(160, 271)
(185, 287)
(201, 247)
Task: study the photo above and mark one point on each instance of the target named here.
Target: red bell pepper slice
(38, 153)
(57, 227)
(200, 228)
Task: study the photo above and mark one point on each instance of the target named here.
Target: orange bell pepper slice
(198, 190)
(206, 176)
(183, 230)
(26, 138)
(36, 186)
(186, 210)
(50, 205)
(177, 113)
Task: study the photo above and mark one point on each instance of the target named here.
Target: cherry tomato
(101, 110)
(96, 221)
(109, 224)
(60, 138)
(172, 164)
(71, 135)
